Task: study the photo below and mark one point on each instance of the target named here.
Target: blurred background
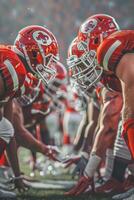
(63, 17)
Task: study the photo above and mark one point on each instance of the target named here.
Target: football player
(114, 52)
(85, 72)
(35, 108)
(35, 49)
(12, 77)
(38, 50)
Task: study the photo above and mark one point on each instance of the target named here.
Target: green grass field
(54, 195)
(47, 194)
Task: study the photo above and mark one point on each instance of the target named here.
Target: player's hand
(18, 183)
(72, 160)
(80, 162)
(52, 152)
(80, 167)
(81, 186)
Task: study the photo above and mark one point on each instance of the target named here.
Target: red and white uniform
(111, 50)
(25, 88)
(34, 112)
(12, 72)
(109, 54)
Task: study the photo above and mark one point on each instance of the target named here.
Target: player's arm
(24, 138)
(11, 149)
(108, 125)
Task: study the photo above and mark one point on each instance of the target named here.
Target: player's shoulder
(10, 59)
(7, 53)
(115, 39)
(112, 47)
(7, 49)
(120, 34)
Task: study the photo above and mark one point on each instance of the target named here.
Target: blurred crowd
(62, 17)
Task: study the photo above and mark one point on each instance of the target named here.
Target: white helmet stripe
(42, 53)
(16, 50)
(27, 57)
(13, 74)
(109, 53)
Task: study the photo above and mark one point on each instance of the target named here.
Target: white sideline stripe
(12, 73)
(49, 185)
(109, 53)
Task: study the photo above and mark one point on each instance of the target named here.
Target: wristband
(92, 165)
(85, 154)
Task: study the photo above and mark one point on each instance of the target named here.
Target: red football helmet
(38, 49)
(82, 69)
(82, 51)
(96, 28)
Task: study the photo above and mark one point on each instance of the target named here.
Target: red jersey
(111, 50)
(12, 72)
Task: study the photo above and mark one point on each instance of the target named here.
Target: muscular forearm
(108, 124)
(106, 134)
(79, 138)
(12, 156)
(80, 133)
(98, 151)
(88, 137)
(24, 138)
(104, 139)
(8, 111)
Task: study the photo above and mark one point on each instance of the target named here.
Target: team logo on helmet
(88, 26)
(42, 38)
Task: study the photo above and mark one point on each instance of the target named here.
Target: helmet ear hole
(96, 40)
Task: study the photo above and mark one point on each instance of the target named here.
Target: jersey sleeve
(111, 50)
(109, 54)
(12, 71)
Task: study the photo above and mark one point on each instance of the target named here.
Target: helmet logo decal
(88, 26)
(42, 38)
